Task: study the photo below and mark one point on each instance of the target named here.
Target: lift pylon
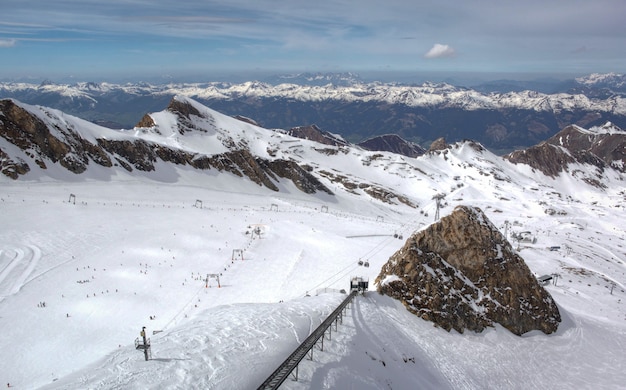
(212, 276)
(237, 254)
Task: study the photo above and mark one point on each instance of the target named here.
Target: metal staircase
(291, 363)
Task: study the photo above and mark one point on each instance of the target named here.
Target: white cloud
(439, 51)
(7, 42)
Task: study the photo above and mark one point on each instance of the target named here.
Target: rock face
(461, 273)
(438, 144)
(59, 145)
(393, 143)
(316, 134)
(601, 147)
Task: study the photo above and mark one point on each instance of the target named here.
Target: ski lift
(366, 264)
(399, 236)
(395, 235)
(360, 262)
(358, 283)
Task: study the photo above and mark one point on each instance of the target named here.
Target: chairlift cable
(184, 306)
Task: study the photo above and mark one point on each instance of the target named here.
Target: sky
(99, 40)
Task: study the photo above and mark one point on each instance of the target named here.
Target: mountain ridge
(189, 134)
(504, 120)
(601, 146)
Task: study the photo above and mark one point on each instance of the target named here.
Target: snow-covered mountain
(356, 110)
(611, 81)
(425, 95)
(104, 232)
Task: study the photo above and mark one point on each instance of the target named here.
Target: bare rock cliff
(461, 273)
(603, 147)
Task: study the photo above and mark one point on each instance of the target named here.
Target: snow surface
(137, 247)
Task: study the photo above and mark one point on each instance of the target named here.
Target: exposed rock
(316, 134)
(186, 111)
(302, 179)
(12, 168)
(57, 144)
(461, 273)
(393, 143)
(247, 120)
(146, 122)
(182, 108)
(139, 153)
(438, 144)
(373, 190)
(600, 147)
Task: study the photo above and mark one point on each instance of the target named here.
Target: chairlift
(395, 235)
(399, 236)
(366, 264)
(360, 262)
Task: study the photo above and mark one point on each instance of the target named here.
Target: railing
(291, 363)
(329, 290)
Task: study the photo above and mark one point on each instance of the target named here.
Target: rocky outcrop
(146, 122)
(55, 144)
(299, 176)
(438, 144)
(461, 273)
(314, 133)
(12, 168)
(247, 120)
(183, 108)
(601, 147)
(393, 143)
(375, 191)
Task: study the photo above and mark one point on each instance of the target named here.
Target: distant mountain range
(503, 116)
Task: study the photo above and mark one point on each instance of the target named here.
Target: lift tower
(438, 199)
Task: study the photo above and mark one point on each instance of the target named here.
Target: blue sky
(100, 40)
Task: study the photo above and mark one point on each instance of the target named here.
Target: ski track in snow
(17, 265)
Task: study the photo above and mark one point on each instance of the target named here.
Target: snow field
(132, 248)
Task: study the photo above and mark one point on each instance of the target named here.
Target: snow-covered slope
(87, 260)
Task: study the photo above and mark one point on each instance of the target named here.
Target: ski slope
(79, 280)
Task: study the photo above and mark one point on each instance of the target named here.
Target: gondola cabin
(358, 283)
